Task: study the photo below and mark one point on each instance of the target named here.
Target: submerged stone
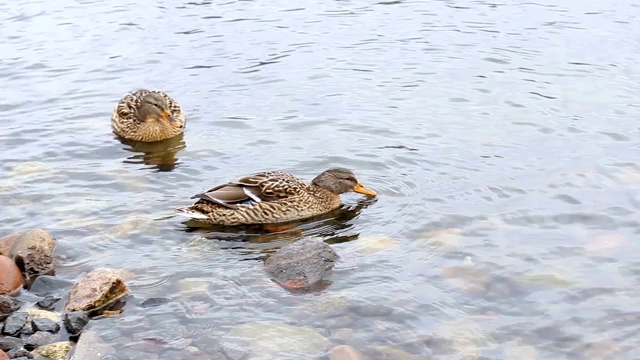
(268, 340)
(48, 302)
(345, 352)
(45, 285)
(302, 263)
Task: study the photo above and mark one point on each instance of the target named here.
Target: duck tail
(189, 212)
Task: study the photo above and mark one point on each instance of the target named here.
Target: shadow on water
(158, 154)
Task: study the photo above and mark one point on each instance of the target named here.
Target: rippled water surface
(502, 138)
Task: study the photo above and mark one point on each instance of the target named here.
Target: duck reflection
(158, 154)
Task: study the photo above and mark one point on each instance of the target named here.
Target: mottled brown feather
(126, 124)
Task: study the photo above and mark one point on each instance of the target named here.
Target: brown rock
(98, 288)
(7, 306)
(302, 263)
(345, 352)
(3, 355)
(11, 279)
(32, 250)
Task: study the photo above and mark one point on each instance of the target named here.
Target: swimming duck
(273, 197)
(147, 116)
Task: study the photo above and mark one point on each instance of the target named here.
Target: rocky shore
(37, 321)
(45, 317)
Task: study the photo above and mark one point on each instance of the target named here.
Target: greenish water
(502, 139)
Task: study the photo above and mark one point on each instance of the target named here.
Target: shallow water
(502, 139)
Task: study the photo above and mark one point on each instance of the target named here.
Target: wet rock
(301, 264)
(267, 340)
(7, 306)
(92, 347)
(11, 279)
(32, 251)
(20, 353)
(14, 323)
(8, 343)
(46, 285)
(44, 324)
(3, 355)
(38, 339)
(38, 313)
(345, 352)
(75, 321)
(55, 351)
(48, 302)
(97, 289)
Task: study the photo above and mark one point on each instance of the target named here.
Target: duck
(147, 116)
(272, 197)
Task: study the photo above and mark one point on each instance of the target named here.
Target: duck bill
(363, 190)
(171, 119)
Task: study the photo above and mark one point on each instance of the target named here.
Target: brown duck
(146, 115)
(273, 197)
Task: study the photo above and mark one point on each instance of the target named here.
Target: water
(502, 139)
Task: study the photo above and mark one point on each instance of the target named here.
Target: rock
(8, 343)
(345, 352)
(38, 339)
(302, 263)
(97, 289)
(3, 355)
(32, 251)
(14, 323)
(55, 351)
(45, 285)
(7, 306)
(44, 324)
(268, 340)
(75, 321)
(92, 347)
(20, 353)
(37, 313)
(11, 279)
(48, 302)
(388, 352)
(443, 239)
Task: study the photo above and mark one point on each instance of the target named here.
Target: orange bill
(171, 119)
(363, 190)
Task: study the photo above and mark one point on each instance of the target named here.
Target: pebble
(3, 355)
(44, 324)
(55, 351)
(14, 323)
(38, 339)
(75, 321)
(48, 302)
(345, 352)
(11, 279)
(38, 313)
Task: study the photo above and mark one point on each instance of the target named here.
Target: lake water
(502, 139)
